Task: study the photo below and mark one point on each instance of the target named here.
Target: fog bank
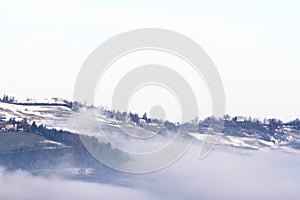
(227, 173)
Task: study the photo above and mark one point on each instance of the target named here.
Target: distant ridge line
(68, 105)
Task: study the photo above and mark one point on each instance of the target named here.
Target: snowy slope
(40, 114)
(62, 117)
(250, 143)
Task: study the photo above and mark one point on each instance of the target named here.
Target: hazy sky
(254, 44)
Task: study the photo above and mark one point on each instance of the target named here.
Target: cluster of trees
(122, 116)
(295, 123)
(20, 126)
(250, 126)
(7, 99)
(135, 118)
(119, 115)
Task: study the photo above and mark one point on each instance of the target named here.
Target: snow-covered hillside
(251, 143)
(52, 116)
(63, 118)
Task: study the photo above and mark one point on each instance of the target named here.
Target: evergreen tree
(33, 127)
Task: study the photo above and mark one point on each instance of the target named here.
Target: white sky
(254, 44)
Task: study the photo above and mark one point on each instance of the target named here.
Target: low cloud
(226, 174)
(229, 174)
(23, 186)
